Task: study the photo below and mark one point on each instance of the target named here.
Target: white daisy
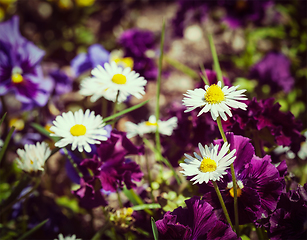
(211, 165)
(215, 99)
(79, 129)
(107, 81)
(150, 126)
(33, 157)
(73, 237)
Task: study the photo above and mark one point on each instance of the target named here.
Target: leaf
(146, 206)
(43, 131)
(125, 111)
(6, 142)
(33, 229)
(154, 229)
(2, 119)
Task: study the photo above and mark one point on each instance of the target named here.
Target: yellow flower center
(214, 94)
(78, 130)
(119, 79)
(239, 192)
(150, 123)
(31, 162)
(125, 62)
(17, 78)
(207, 165)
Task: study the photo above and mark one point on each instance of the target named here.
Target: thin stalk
(204, 76)
(233, 176)
(104, 107)
(73, 163)
(157, 134)
(6, 142)
(115, 107)
(161, 158)
(219, 195)
(119, 199)
(216, 63)
(149, 177)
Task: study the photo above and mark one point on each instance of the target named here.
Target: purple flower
(290, 218)
(109, 167)
(90, 194)
(259, 183)
(240, 12)
(96, 55)
(274, 70)
(197, 221)
(63, 83)
(190, 11)
(264, 120)
(136, 43)
(191, 130)
(20, 72)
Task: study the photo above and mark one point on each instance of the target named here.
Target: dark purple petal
(274, 69)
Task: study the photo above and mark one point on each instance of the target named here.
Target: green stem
(217, 67)
(157, 134)
(219, 195)
(6, 142)
(119, 199)
(204, 74)
(233, 176)
(159, 157)
(115, 107)
(149, 177)
(73, 163)
(104, 107)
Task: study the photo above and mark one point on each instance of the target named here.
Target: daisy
(150, 126)
(215, 99)
(108, 81)
(211, 165)
(79, 129)
(72, 237)
(33, 157)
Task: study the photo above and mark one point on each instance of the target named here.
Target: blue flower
(20, 71)
(96, 55)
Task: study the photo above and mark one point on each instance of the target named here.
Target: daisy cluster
(104, 134)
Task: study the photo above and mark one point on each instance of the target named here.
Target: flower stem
(119, 199)
(73, 163)
(115, 106)
(233, 176)
(219, 195)
(157, 113)
(217, 67)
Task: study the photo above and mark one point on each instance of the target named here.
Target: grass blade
(6, 142)
(125, 111)
(33, 229)
(154, 229)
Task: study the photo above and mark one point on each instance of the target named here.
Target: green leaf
(2, 119)
(154, 229)
(6, 142)
(124, 111)
(146, 206)
(43, 131)
(33, 229)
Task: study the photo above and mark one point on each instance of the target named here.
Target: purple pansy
(240, 12)
(63, 83)
(110, 168)
(190, 11)
(259, 183)
(274, 70)
(290, 219)
(96, 55)
(136, 43)
(197, 221)
(264, 121)
(20, 72)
